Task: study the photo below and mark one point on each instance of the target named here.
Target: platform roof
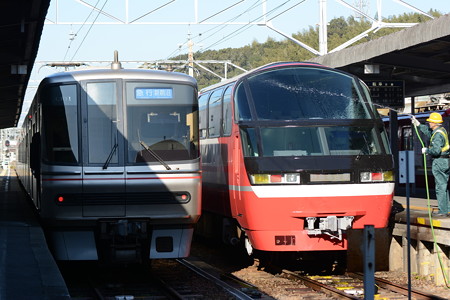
(21, 24)
(419, 55)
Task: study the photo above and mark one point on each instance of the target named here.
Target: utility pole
(190, 56)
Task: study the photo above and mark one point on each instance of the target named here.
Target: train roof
(268, 66)
(144, 74)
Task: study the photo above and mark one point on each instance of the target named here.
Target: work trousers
(441, 171)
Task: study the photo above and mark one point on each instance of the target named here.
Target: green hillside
(257, 54)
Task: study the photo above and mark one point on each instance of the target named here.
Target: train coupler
(123, 241)
(332, 226)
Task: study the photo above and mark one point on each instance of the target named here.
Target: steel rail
(207, 275)
(319, 287)
(168, 289)
(416, 294)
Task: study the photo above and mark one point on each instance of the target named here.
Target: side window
(60, 124)
(226, 119)
(215, 113)
(241, 108)
(203, 115)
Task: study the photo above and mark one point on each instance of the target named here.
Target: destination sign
(153, 93)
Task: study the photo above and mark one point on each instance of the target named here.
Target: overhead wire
(286, 10)
(224, 24)
(231, 35)
(219, 27)
(245, 27)
(89, 30)
(81, 27)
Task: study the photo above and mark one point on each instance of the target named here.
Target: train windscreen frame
(306, 111)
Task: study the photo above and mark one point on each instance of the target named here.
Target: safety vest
(444, 134)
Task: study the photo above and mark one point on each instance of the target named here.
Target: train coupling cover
(332, 226)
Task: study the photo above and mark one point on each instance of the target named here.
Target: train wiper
(108, 160)
(156, 156)
(366, 146)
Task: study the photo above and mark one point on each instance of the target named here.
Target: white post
(323, 41)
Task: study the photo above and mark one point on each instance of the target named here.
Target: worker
(439, 150)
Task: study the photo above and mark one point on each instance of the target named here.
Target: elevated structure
(418, 55)
(21, 24)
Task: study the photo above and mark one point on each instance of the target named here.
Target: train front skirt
(113, 241)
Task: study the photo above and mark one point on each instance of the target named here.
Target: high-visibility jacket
(443, 132)
(439, 144)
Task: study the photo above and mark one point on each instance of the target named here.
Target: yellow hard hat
(435, 118)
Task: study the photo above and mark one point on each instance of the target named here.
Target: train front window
(301, 93)
(102, 122)
(311, 141)
(161, 127)
(60, 111)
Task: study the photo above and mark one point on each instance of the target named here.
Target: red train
(293, 155)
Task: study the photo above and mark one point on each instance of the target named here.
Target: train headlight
(289, 178)
(377, 176)
(260, 178)
(292, 178)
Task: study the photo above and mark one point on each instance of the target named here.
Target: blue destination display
(153, 93)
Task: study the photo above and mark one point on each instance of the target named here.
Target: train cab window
(203, 115)
(60, 124)
(102, 122)
(311, 141)
(352, 141)
(249, 142)
(215, 113)
(226, 118)
(161, 122)
(291, 141)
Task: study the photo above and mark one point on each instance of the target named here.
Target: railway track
(383, 283)
(195, 279)
(165, 279)
(351, 286)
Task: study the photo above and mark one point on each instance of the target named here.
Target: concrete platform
(27, 269)
(429, 242)
(422, 212)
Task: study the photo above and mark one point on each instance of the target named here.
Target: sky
(144, 30)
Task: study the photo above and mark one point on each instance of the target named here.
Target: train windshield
(161, 122)
(300, 93)
(310, 141)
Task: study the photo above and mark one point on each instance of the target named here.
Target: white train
(110, 159)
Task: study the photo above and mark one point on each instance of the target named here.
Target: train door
(36, 178)
(103, 165)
